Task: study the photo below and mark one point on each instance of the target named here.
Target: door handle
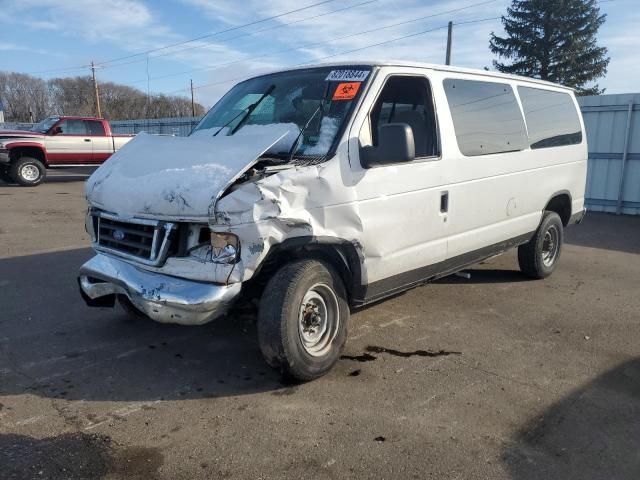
(444, 202)
(87, 139)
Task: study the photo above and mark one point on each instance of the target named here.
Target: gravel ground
(491, 377)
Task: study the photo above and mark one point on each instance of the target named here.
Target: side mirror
(56, 130)
(395, 145)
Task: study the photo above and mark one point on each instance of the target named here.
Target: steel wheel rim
(318, 319)
(550, 245)
(29, 172)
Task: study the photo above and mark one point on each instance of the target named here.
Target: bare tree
(24, 97)
(28, 98)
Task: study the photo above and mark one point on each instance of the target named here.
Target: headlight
(225, 247)
(89, 226)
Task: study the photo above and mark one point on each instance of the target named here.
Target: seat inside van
(408, 99)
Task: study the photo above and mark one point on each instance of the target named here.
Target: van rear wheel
(302, 321)
(538, 258)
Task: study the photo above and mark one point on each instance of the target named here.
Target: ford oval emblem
(118, 235)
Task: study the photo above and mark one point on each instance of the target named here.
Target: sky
(53, 38)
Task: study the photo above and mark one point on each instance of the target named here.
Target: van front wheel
(538, 258)
(302, 321)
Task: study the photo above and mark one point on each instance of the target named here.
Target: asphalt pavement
(495, 376)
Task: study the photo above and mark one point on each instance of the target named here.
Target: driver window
(72, 127)
(408, 100)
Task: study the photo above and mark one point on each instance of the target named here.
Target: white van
(319, 190)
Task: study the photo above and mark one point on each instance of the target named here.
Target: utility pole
(95, 88)
(449, 32)
(193, 105)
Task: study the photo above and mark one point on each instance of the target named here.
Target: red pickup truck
(55, 142)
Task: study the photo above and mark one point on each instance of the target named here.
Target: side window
(486, 117)
(552, 119)
(408, 100)
(95, 128)
(73, 127)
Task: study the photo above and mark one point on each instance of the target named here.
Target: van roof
(431, 66)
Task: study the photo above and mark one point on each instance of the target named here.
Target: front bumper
(161, 297)
(4, 156)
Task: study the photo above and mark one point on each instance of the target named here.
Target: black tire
(538, 258)
(20, 168)
(4, 175)
(282, 323)
(131, 311)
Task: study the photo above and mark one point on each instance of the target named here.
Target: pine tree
(553, 40)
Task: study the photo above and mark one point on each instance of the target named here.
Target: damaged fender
(288, 205)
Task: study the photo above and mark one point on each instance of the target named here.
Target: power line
(314, 44)
(184, 42)
(61, 70)
(399, 38)
(226, 30)
(250, 33)
(395, 39)
(106, 63)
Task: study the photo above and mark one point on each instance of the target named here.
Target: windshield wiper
(296, 143)
(247, 112)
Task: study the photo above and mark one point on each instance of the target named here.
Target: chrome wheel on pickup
(302, 321)
(27, 171)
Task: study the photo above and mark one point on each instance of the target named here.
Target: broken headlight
(225, 247)
(89, 225)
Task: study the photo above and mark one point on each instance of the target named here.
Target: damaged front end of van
(178, 242)
(179, 225)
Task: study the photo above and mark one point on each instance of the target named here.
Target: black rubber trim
(577, 217)
(387, 287)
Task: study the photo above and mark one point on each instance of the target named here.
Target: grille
(147, 241)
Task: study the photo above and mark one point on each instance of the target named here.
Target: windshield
(44, 125)
(292, 98)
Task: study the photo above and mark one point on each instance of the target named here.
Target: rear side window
(95, 128)
(486, 117)
(552, 119)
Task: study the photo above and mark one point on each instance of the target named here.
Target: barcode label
(347, 75)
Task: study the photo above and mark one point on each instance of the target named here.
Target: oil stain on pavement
(367, 357)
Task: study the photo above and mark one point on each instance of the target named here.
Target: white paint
(157, 176)
(391, 212)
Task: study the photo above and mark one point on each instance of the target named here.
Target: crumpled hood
(179, 177)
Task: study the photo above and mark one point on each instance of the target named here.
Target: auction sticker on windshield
(347, 75)
(346, 91)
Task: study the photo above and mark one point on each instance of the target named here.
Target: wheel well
(342, 256)
(33, 152)
(561, 204)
